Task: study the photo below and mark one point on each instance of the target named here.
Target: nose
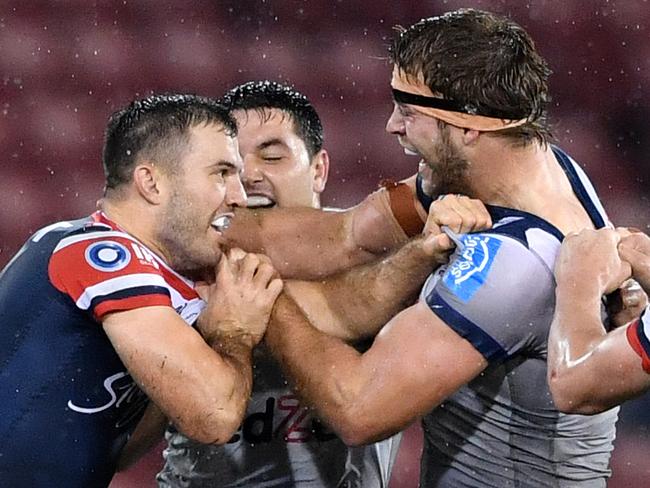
(252, 173)
(395, 124)
(235, 193)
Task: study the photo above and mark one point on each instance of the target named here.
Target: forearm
(306, 243)
(357, 303)
(201, 388)
(581, 361)
(324, 370)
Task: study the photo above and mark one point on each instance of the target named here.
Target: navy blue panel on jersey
(67, 403)
(481, 340)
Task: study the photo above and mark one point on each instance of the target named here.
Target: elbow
(570, 398)
(215, 426)
(355, 429)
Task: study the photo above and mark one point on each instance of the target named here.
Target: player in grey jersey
(280, 442)
(470, 96)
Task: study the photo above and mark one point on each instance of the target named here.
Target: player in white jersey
(592, 369)
(470, 95)
(280, 442)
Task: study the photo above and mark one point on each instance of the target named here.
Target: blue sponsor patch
(469, 269)
(108, 256)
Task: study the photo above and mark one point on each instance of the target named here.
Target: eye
(272, 159)
(404, 111)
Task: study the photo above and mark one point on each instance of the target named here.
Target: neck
(530, 179)
(518, 177)
(129, 217)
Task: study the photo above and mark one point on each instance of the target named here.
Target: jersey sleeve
(495, 293)
(638, 335)
(102, 273)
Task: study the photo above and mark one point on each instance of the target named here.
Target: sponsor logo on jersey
(144, 255)
(108, 256)
(122, 393)
(285, 419)
(468, 271)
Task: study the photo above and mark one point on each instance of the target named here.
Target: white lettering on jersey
(128, 388)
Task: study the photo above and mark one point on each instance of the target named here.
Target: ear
(321, 167)
(146, 179)
(470, 136)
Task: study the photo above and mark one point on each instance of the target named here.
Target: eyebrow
(271, 142)
(228, 164)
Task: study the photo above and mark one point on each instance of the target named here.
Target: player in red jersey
(96, 313)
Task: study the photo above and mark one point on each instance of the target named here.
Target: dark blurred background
(66, 65)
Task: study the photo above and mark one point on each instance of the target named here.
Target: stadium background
(66, 65)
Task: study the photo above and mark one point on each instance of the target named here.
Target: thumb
(436, 244)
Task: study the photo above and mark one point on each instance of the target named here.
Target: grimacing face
(200, 199)
(445, 167)
(277, 166)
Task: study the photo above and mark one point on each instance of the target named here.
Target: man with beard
(97, 308)
(470, 96)
(280, 442)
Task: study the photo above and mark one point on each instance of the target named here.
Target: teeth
(258, 201)
(222, 222)
(410, 152)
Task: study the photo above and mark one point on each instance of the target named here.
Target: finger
(274, 288)
(639, 262)
(445, 212)
(481, 215)
(464, 219)
(437, 245)
(248, 267)
(224, 271)
(236, 254)
(263, 275)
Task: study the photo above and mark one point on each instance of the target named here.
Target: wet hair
(262, 96)
(482, 61)
(158, 128)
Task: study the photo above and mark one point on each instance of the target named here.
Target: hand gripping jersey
(502, 429)
(279, 444)
(68, 404)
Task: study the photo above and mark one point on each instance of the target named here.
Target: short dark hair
(483, 61)
(264, 95)
(156, 126)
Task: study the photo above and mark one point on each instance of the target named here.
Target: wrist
(228, 340)
(221, 333)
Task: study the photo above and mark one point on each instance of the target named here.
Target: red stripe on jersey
(72, 271)
(131, 303)
(632, 334)
(185, 290)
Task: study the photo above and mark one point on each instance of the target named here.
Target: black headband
(446, 104)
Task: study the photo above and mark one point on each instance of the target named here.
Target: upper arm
(496, 293)
(306, 243)
(408, 371)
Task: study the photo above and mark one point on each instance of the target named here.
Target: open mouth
(222, 222)
(259, 201)
(410, 152)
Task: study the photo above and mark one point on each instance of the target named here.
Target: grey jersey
(502, 429)
(280, 444)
